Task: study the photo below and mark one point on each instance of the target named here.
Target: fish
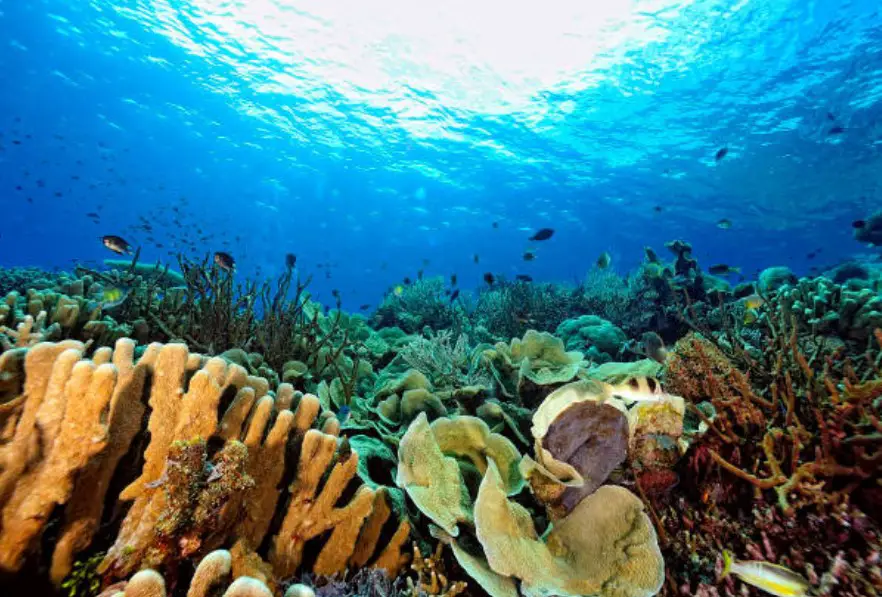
(654, 347)
(476, 258)
(343, 413)
(224, 261)
(651, 256)
(754, 301)
(604, 260)
(454, 295)
(489, 278)
(721, 153)
(453, 279)
(721, 269)
(836, 130)
(771, 578)
(117, 244)
(364, 307)
(290, 260)
(529, 255)
(542, 234)
(113, 296)
(523, 278)
(657, 209)
(407, 281)
(751, 316)
(496, 224)
(420, 274)
(724, 224)
(637, 389)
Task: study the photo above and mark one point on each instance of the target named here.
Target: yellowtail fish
(771, 578)
(398, 290)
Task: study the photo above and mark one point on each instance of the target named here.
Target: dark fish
(604, 260)
(92, 214)
(335, 293)
(810, 255)
(859, 224)
(290, 260)
(476, 258)
(830, 116)
(721, 153)
(454, 295)
(489, 278)
(453, 279)
(542, 234)
(419, 274)
(224, 261)
(117, 244)
(722, 269)
(836, 130)
(657, 209)
(406, 281)
(529, 255)
(724, 224)
(523, 278)
(364, 307)
(496, 224)
(343, 413)
(425, 262)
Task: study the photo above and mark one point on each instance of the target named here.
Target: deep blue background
(131, 125)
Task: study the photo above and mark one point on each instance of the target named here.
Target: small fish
(604, 260)
(830, 116)
(454, 295)
(651, 256)
(658, 209)
(529, 255)
(858, 224)
(523, 278)
(407, 281)
(542, 234)
(476, 258)
(453, 279)
(224, 261)
(654, 347)
(721, 269)
(496, 224)
(290, 260)
(117, 244)
(754, 301)
(721, 153)
(638, 389)
(364, 307)
(113, 296)
(489, 278)
(420, 274)
(771, 578)
(343, 413)
(398, 290)
(724, 224)
(751, 316)
(836, 130)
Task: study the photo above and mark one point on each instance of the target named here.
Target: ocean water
(371, 137)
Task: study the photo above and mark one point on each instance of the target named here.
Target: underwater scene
(378, 298)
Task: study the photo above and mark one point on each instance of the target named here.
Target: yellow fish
(398, 290)
(750, 316)
(754, 301)
(113, 296)
(771, 578)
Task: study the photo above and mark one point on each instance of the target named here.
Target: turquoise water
(374, 139)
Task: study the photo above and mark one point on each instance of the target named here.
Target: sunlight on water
(489, 57)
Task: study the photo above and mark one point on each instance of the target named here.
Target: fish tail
(727, 564)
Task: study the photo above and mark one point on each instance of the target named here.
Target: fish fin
(727, 564)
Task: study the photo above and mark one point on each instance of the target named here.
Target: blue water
(366, 137)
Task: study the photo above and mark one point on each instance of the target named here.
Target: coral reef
(172, 433)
